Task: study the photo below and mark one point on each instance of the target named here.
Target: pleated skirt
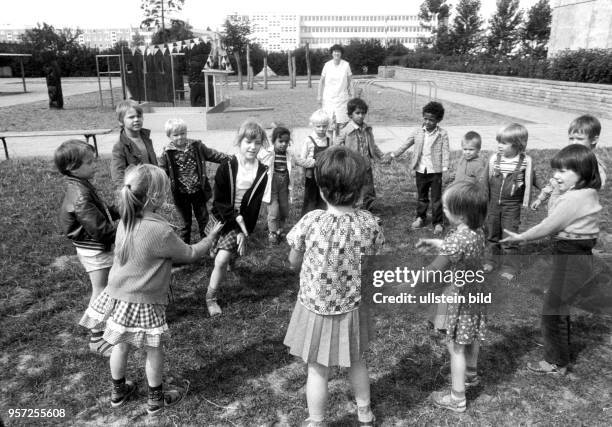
(330, 340)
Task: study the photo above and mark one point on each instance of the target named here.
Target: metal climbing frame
(364, 86)
(110, 73)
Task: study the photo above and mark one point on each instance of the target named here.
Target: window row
(362, 18)
(368, 29)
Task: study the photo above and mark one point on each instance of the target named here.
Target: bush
(585, 65)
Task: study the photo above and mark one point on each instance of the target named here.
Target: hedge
(584, 65)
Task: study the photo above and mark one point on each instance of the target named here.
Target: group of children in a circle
(329, 326)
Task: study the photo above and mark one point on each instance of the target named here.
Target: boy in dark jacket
(184, 160)
(87, 221)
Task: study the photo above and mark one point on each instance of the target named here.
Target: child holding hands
(133, 305)
(431, 158)
(88, 222)
(239, 188)
(583, 130)
(329, 325)
(184, 160)
(573, 222)
(465, 206)
(358, 136)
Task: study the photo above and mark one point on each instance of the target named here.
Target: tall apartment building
(277, 32)
(101, 38)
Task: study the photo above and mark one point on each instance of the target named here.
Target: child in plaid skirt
(132, 307)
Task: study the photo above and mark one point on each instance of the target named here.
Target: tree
(179, 30)
(137, 39)
(504, 28)
(466, 29)
(437, 10)
(365, 55)
(45, 40)
(236, 40)
(156, 11)
(536, 31)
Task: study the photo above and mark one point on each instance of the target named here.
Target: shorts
(95, 259)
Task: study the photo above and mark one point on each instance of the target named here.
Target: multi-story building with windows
(101, 38)
(278, 32)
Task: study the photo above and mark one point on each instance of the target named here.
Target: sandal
(543, 367)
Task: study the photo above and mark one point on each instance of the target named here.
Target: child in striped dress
(133, 305)
(329, 325)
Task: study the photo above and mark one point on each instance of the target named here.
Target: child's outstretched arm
(406, 145)
(212, 155)
(177, 250)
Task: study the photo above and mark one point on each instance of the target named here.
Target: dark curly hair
(434, 108)
(355, 103)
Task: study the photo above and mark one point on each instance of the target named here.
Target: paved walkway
(547, 127)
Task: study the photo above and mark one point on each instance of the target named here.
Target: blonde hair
(250, 129)
(515, 134)
(124, 106)
(175, 125)
(144, 185)
(319, 116)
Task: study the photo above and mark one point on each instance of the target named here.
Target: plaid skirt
(137, 324)
(227, 241)
(330, 340)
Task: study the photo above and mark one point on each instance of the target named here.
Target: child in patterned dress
(133, 305)
(329, 325)
(465, 206)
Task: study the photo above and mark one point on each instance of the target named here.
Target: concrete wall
(578, 97)
(580, 24)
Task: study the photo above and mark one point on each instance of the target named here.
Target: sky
(199, 13)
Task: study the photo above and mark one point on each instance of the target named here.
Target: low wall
(579, 97)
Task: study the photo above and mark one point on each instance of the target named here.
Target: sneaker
(121, 393)
(99, 346)
(213, 307)
(418, 223)
(438, 229)
(159, 399)
(507, 275)
(487, 267)
(444, 399)
(543, 367)
(310, 423)
(273, 238)
(366, 412)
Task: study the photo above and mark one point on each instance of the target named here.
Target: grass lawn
(240, 372)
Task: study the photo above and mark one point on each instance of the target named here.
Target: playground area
(240, 372)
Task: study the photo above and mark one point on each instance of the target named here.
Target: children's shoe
(487, 267)
(121, 393)
(543, 367)
(444, 399)
(438, 229)
(418, 223)
(159, 399)
(213, 307)
(273, 237)
(99, 346)
(310, 423)
(365, 412)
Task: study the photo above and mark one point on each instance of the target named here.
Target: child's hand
(242, 244)
(536, 204)
(427, 246)
(512, 237)
(216, 229)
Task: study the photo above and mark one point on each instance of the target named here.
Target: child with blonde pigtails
(132, 308)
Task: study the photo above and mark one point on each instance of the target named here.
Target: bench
(87, 133)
